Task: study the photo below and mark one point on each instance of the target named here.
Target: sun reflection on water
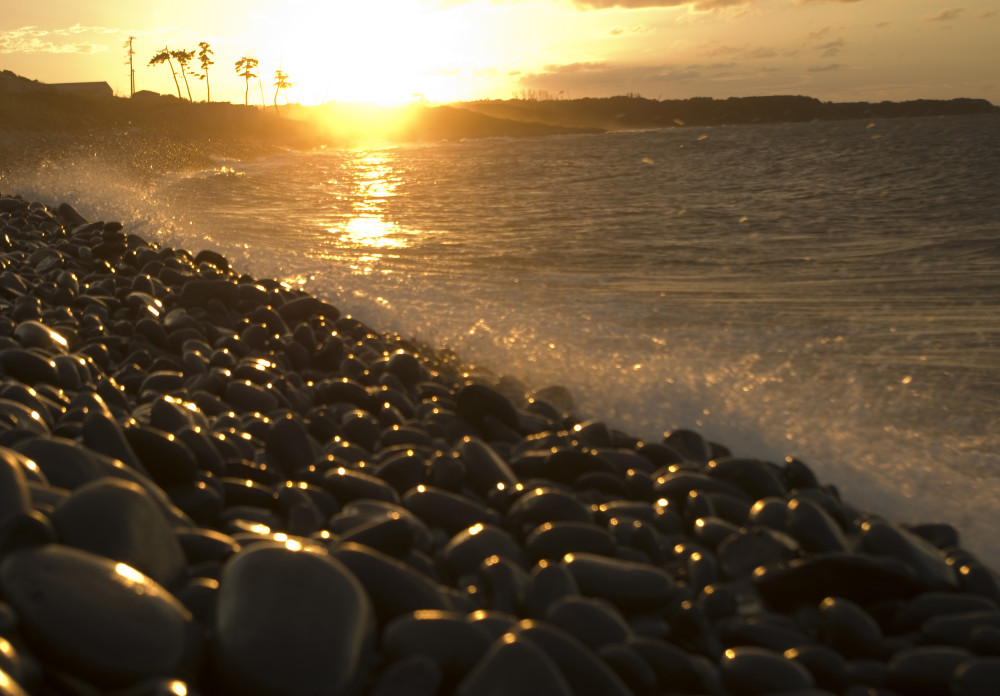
(366, 233)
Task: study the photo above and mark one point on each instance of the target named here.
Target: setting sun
(385, 53)
(397, 51)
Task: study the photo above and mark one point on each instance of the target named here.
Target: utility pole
(131, 70)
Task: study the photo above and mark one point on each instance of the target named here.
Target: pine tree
(245, 68)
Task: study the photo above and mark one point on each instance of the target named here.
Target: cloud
(628, 4)
(817, 35)
(654, 81)
(81, 29)
(742, 53)
(31, 39)
(831, 48)
(830, 67)
(945, 15)
(619, 30)
(700, 5)
(575, 79)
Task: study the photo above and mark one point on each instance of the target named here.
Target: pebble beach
(212, 483)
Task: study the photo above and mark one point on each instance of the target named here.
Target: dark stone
(470, 547)
(454, 643)
(862, 579)
(485, 469)
(30, 368)
(976, 678)
(291, 621)
(926, 670)
(827, 666)
(118, 520)
(197, 293)
(167, 459)
(626, 661)
(849, 629)
(814, 528)
(751, 670)
(585, 672)
(912, 615)
(514, 664)
(755, 478)
(417, 675)
(103, 621)
(449, 511)
(395, 588)
(553, 540)
(957, 629)
(626, 584)
(545, 504)
(926, 560)
(391, 535)
(595, 622)
(475, 402)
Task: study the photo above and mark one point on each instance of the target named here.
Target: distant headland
(28, 106)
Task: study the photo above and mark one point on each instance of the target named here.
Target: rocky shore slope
(213, 484)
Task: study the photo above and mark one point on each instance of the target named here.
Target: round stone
(514, 665)
(291, 620)
(118, 520)
(97, 618)
(751, 670)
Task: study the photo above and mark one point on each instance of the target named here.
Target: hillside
(29, 106)
(626, 113)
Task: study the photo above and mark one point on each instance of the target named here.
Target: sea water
(829, 291)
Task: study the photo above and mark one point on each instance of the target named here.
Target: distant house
(84, 89)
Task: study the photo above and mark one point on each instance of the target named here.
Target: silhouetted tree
(127, 44)
(245, 69)
(183, 58)
(281, 84)
(205, 57)
(164, 57)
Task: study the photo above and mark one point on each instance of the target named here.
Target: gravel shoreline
(211, 483)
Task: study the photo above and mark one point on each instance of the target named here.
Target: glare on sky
(393, 51)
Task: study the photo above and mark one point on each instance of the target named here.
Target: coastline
(230, 405)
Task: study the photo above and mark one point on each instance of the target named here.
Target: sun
(388, 52)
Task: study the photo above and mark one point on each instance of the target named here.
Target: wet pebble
(118, 520)
(103, 620)
(752, 670)
(514, 664)
(291, 620)
(189, 454)
(626, 584)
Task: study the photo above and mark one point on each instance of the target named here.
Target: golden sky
(390, 51)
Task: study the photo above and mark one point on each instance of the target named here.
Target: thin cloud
(831, 48)
(31, 39)
(628, 4)
(622, 31)
(817, 35)
(699, 5)
(945, 15)
(742, 53)
(825, 68)
(606, 78)
(81, 29)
